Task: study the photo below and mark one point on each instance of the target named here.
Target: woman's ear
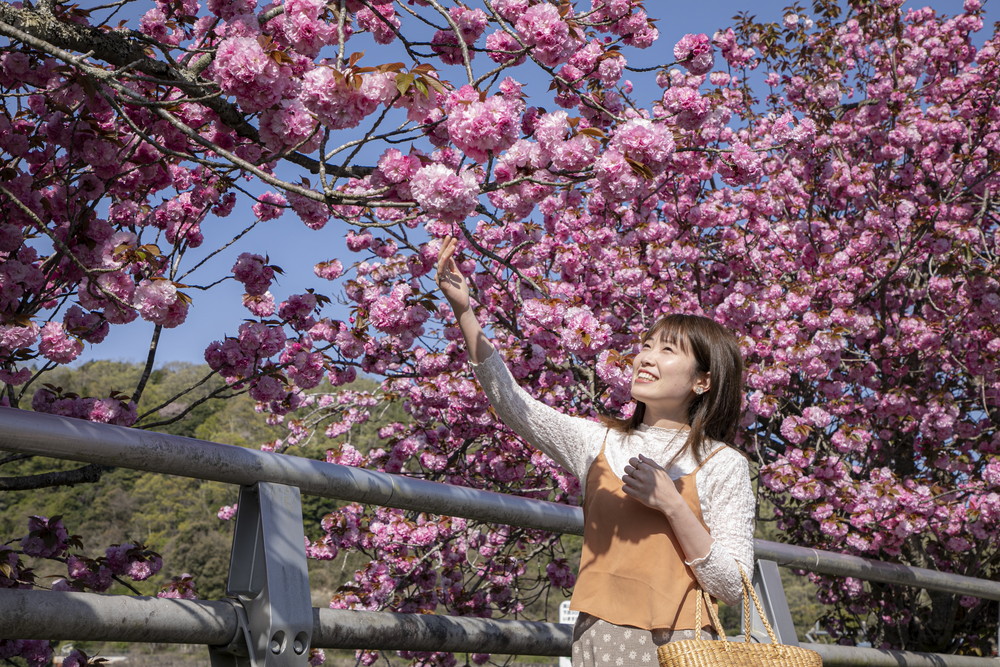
(702, 384)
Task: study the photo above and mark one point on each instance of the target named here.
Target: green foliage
(174, 516)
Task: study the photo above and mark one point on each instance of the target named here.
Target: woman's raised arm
(455, 288)
(571, 441)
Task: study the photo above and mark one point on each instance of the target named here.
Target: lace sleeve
(730, 510)
(570, 441)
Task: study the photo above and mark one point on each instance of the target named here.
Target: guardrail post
(767, 583)
(269, 577)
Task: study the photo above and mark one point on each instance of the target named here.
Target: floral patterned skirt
(597, 643)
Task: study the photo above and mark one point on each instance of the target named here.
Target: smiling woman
(668, 506)
(697, 354)
(665, 373)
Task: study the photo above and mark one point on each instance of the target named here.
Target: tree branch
(88, 474)
(126, 49)
(13, 458)
(148, 367)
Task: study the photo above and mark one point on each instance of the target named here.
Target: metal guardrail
(120, 447)
(843, 565)
(57, 615)
(52, 615)
(265, 622)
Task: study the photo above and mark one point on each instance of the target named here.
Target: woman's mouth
(645, 376)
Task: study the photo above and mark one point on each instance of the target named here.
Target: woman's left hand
(648, 482)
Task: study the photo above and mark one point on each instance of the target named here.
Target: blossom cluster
(825, 186)
(48, 538)
(836, 423)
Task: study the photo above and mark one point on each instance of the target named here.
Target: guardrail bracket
(269, 578)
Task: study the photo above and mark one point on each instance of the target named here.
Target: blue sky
(295, 248)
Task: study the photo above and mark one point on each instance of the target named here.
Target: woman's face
(665, 375)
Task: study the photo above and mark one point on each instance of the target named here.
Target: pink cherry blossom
(470, 23)
(46, 537)
(504, 49)
(180, 587)
(88, 326)
(541, 27)
(380, 20)
(445, 194)
(252, 271)
(243, 69)
(332, 97)
(650, 143)
(160, 302)
(289, 126)
(57, 345)
(740, 167)
(694, 52)
(269, 206)
(483, 128)
(330, 270)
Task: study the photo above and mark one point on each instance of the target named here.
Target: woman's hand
(449, 279)
(647, 481)
(455, 288)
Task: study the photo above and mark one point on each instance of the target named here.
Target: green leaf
(403, 82)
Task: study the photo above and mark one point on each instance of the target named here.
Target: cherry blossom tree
(826, 186)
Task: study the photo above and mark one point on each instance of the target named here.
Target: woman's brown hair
(715, 414)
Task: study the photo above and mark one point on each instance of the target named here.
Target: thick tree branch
(147, 368)
(88, 474)
(126, 49)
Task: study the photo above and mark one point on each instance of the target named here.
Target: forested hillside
(177, 517)
(174, 516)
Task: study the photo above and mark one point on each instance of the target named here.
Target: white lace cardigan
(724, 489)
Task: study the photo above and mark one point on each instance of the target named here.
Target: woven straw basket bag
(718, 652)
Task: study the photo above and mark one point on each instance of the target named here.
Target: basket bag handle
(748, 594)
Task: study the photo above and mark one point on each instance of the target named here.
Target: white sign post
(566, 615)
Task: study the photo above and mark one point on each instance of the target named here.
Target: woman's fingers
(449, 278)
(633, 475)
(635, 464)
(635, 489)
(640, 472)
(445, 253)
(645, 460)
(446, 264)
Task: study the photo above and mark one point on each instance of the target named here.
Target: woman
(668, 508)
